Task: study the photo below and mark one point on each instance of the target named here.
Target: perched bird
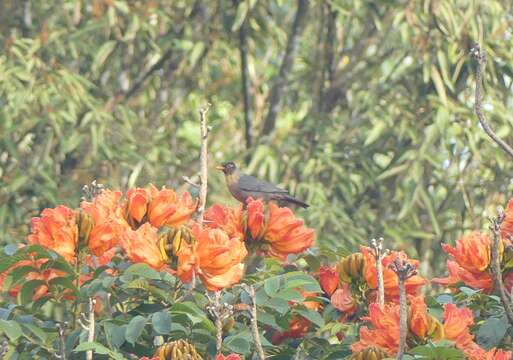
(243, 186)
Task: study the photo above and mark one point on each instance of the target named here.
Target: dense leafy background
(375, 127)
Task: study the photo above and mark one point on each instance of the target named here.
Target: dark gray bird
(243, 186)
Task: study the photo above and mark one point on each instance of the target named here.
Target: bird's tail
(293, 200)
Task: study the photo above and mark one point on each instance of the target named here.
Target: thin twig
(404, 271)
(220, 312)
(495, 228)
(254, 321)
(278, 88)
(62, 341)
(379, 253)
(203, 162)
(90, 327)
(480, 57)
(189, 181)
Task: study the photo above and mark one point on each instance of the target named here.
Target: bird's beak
(220, 167)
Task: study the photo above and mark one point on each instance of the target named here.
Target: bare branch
(62, 340)
(250, 289)
(90, 326)
(189, 181)
(281, 81)
(203, 162)
(480, 58)
(495, 228)
(220, 312)
(379, 252)
(404, 271)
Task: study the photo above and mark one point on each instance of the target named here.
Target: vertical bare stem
(496, 265)
(91, 325)
(203, 162)
(404, 271)
(219, 323)
(378, 251)
(62, 341)
(254, 323)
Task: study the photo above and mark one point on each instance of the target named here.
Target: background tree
(373, 123)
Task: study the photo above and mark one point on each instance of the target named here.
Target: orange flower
(390, 280)
(57, 230)
(186, 263)
(286, 234)
(472, 252)
(507, 224)
(495, 354)
(38, 274)
(167, 208)
(229, 357)
(456, 325)
(385, 332)
(137, 203)
(218, 258)
(141, 246)
(225, 218)
(109, 223)
(342, 299)
(458, 274)
(418, 319)
(256, 218)
(298, 327)
(328, 278)
(105, 206)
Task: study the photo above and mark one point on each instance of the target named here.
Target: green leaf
(40, 333)
(115, 334)
(272, 285)
(311, 315)
(135, 328)
(143, 270)
(375, 132)
(102, 54)
(491, 333)
(161, 322)
(11, 328)
(28, 290)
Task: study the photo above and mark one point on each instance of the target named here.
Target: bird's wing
(251, 183)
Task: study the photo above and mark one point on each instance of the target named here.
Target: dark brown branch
(495, 228)
(480, 58)
(246, 86)
(281, 81)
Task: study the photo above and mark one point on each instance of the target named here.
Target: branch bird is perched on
(243, 186)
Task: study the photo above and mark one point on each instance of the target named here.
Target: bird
(243, 186)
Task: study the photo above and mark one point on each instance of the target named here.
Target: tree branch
(250, 289)
(203, 162)
(90, 327)
(495, 228)
(404, 271)
(286, 65)
(379, 253)
(246, 92)
(480, 58)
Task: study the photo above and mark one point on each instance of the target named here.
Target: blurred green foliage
(375, 127)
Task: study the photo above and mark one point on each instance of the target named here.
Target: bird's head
(228, 168)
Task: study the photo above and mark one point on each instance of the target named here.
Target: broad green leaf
(134, 329)
(161, 322)
(11, 328)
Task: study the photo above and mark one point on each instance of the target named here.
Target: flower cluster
(384, 331)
